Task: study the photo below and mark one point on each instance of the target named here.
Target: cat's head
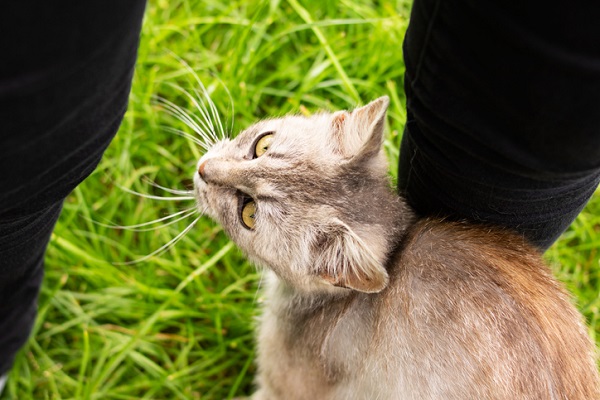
(308, 197)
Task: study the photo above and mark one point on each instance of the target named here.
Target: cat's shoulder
(448, 241)
(446, 256)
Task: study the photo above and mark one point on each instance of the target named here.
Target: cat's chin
(305, 286)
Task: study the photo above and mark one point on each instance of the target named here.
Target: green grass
(179, 326)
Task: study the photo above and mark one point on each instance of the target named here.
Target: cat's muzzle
(201, 170)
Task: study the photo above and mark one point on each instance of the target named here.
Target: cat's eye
(248, 214)
(262, 144)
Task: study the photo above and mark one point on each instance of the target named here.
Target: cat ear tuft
(371, 121)
(360, 132)
(344, 260)
(338, 129)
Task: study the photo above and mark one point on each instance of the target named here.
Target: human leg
(24, 242)
(503, 123)
(64, 85)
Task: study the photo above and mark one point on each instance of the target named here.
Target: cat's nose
(201, 170)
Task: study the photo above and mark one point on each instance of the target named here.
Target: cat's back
(480, 316)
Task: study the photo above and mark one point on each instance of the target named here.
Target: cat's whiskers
(223, 132)
(190, 120)
(166, 189)
(214, 113)
(163, 198)
(213, 109)
(186, 135)
(260, 281)
(206, 124)
(188, 212)
(185, 216)
(163, 248)
(209, 127)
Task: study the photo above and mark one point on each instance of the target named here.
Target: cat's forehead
(289, 128)
(249, 135)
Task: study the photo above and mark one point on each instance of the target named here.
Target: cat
(366, 301)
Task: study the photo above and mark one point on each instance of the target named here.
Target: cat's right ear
(359, 134)
(344, 260)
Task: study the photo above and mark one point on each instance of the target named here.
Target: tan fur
(364, 301)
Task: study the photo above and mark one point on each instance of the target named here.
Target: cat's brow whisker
(166, 189)
(163, 248)
(149, 196)
(186, 213)
(183, 116)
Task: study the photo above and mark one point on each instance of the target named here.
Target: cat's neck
(287, 299)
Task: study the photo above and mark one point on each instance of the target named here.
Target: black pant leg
(503, 102)
(65, 78)
(24, 242)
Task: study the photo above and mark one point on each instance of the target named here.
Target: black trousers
(503, 103)
(65, 75)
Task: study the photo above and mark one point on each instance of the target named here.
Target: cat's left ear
(344, 260)
(358, 135)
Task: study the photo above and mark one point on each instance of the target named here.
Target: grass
(179, 326)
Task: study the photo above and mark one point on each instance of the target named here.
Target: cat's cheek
(200, 193)
(255, 250)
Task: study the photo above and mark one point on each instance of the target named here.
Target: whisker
(230, 102)
(163, 248)
(177, 112)
(216, 114)
(188, 212)
(185, 216)
(186, 135)
(190, 121)
(209, 114)
(205, 130)
(206, 121)
(149, 196)
(260, 281)
(207, 139)
(181, 114)
(213, 108)
(166, 189)
(203, 211)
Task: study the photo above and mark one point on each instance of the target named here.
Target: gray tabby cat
(364, 300)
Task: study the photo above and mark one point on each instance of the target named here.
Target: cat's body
(365, 301)
(467, 314)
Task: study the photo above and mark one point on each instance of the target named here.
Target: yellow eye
(263, 145)
(248, 211)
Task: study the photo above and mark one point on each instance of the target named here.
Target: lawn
(178, 325)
